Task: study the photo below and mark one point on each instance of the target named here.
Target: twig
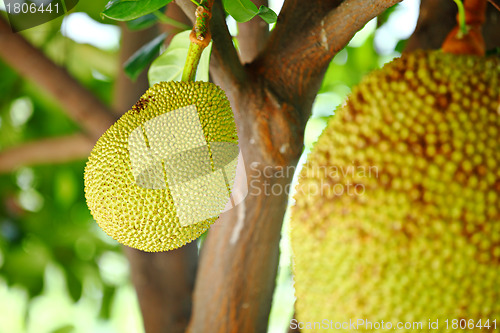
(45, 151)
(495, 3)
(80, 104)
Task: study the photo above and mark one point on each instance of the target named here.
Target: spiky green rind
(139, 217)
(418, 237)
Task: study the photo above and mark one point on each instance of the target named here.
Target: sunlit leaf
(65, 329)
(142, 57)
(74, 283)
(126, 10)
(245, 10)
(170, 64)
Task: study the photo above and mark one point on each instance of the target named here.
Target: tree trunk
(271, 98)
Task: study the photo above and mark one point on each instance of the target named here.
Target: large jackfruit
(160, 176)
(397, 214)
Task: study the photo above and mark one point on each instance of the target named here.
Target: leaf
(142, 57)
(126, 10)
(68, 328)
(142, 22)
(245, 10)
(170, 64)
(267, 14)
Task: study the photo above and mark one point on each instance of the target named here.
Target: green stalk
(199, 39)
(461, 18)
(192, 61)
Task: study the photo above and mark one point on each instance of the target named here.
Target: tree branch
(252, 35)
(53, 150)
(495, 3)
(306, 40)
(80, 104)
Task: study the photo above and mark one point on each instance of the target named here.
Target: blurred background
(59, 272)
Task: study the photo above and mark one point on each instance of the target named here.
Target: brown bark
(81, 104)
(53, 150)
(163, 281)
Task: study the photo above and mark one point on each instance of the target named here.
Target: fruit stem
(466, 37)
(461, 17)
(199, 39)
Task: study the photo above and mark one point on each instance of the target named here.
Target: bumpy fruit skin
(145, 218)
(418, 235)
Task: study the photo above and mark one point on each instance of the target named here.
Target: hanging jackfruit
(161, 175)
(397, 214)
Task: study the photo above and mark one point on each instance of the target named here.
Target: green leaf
(170, 64)
(126, 10)
(245, 10)
(142, 57)
(68, 328)
(267, 14)
(142, 22)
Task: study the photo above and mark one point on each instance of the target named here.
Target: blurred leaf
(9, 83)
(74, 283)
(160, 15)
(245, 10)
(142, 22)
(25, 264)
(65, 188)
(93, 9)
(65, 329)
(142, 57)
(401, 45)
(107, 300)
(126, 10)
(170, 64)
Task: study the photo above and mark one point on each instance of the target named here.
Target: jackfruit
(397, 212)
(160, 176)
